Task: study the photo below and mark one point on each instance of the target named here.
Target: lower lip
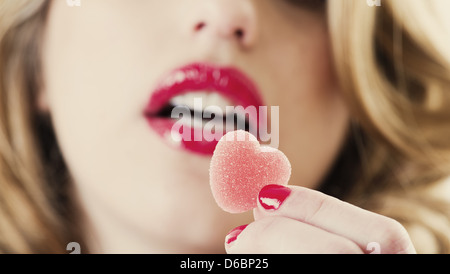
(164, 129)
(164, 126)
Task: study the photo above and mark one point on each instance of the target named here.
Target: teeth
(215, 99)
(199, 101)
(207, 99)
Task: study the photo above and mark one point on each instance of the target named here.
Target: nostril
(239, 33)
(200, 26)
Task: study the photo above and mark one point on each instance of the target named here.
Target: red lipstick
(228, 82)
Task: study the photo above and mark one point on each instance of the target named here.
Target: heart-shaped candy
(240, 168)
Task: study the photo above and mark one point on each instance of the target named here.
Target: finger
(281, 235)
(335, 216)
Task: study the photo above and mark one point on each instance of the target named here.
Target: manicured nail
(234, 233)
(271, 197)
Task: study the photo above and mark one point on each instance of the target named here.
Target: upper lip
(229, 81)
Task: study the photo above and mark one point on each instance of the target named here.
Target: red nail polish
(234, 233)
(271, 197)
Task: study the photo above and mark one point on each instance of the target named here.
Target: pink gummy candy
(240, 168)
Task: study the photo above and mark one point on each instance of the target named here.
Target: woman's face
(103, 62)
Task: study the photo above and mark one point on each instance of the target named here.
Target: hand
(299, 220)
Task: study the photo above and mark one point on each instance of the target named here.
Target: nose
(230, 20)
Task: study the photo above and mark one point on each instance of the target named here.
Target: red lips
(226, 81)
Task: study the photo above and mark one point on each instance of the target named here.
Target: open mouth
(208, 97)
(198, 104)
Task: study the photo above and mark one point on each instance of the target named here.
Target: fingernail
(234, 233)
(271, 197)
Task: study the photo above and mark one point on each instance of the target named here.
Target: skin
(101, 62)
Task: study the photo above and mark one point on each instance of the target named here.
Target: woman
(364, 109)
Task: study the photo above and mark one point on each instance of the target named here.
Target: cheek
(98, 80)
(314, 118)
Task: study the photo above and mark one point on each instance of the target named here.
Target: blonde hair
(394, 72)
(393, 64)
(33, 212)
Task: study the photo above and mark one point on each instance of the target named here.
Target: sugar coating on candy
(240, 168)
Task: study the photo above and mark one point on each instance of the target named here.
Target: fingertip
(232, 236)
(271, 197)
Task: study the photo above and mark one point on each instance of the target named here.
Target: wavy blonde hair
(393, 64)
(36, 215)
